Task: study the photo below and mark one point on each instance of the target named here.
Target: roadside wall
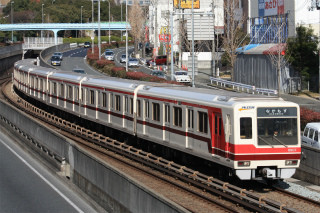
(112, 189)
(8, 56)
(309, 169)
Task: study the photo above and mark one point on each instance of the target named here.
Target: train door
(126, 111)
(166, 121)
(216, 134)
(146, 116)
(190, 128)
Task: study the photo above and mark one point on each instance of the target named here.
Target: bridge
(56, 27)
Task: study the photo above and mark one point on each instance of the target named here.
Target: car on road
(79, 70)
(59, 54)
(311, 135)
(159, 74)
(55, 61)
(123, 58)
(109, 55)
(87, 44)
(158, 60)
(133, 62)
(182, 77)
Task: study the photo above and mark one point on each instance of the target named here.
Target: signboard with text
(270, 7)
(186, 4)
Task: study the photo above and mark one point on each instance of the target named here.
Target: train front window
(277, 131)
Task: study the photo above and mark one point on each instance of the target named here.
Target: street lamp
(81, 20)
(126, 35)
(42, 18)
(92, 37)
(121, 18)
(99, 31)
(12, 20)
(109, 20)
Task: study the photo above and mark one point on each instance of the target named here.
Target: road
(28, 186)
(75, 58)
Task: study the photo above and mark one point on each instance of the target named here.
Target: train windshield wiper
(276, 139)
(264, 140)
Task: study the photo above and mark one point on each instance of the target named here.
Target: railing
(242, 87)
(40, 42)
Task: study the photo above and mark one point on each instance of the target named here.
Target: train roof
(165, 90)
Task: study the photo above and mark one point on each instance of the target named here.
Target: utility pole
(127, 58)
(156, 28)
(192, 11)
(213, 44)
(99, 31)
(92, 47)
(279, 52)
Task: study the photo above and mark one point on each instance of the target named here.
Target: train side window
(156, 111)
(37, 83)
(31, 82)
(311, 133)
(216, 124)
(138, 108)
(70, 92)
(146, 109)
(316, 136)
(203, 122)
(41, 84)
(167, 113)
(91, 96)
(190, 118)
(220, 126)
(177, 114)
(54, 88)
(246, 128)
(118, 106)
(126, 104)
(77, 94)
(82, 95)
(305, 133)
(131, 106)
(104, 100)
(62, 90)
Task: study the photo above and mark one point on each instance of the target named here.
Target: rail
(233, 193)
(242, 87)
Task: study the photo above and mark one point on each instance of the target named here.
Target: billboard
(270, 7)
(186, 4)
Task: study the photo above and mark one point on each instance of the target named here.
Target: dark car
(87, 44)
(159, 74)
(79, 70)
(55, 61)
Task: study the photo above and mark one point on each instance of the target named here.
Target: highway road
(28, 186)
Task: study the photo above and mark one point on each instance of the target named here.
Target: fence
(40, 42)
(242, 87)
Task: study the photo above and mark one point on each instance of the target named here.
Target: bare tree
(137, 21)
(233, 35)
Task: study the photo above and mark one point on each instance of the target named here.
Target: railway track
(192, 180)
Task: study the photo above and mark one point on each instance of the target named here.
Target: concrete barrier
(8, 56)
(309, 169)
(109, 187)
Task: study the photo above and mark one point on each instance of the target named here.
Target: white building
(159, 19)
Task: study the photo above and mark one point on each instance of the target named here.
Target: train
(254, 137)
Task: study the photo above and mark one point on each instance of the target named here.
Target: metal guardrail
(242, 87)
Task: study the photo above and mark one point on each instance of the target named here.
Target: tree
(302, 52)
(137, 20)
(233, 33)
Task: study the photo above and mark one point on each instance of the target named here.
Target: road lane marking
(43, 178)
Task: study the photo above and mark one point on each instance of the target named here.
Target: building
(205, 26)
(271, 23)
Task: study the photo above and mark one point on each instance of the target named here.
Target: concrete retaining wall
(8, 56)
(309, 169)
(112, 189)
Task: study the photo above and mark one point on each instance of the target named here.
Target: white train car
(255, 137)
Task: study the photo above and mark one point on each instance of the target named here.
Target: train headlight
(291, 162)
(243, 163)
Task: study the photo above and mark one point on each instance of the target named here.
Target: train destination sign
(277, 111)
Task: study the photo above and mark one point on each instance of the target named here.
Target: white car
(123, 58)
(133, 62)
(109, 55)
(311, 135)
(182, 77)
(59, 54)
